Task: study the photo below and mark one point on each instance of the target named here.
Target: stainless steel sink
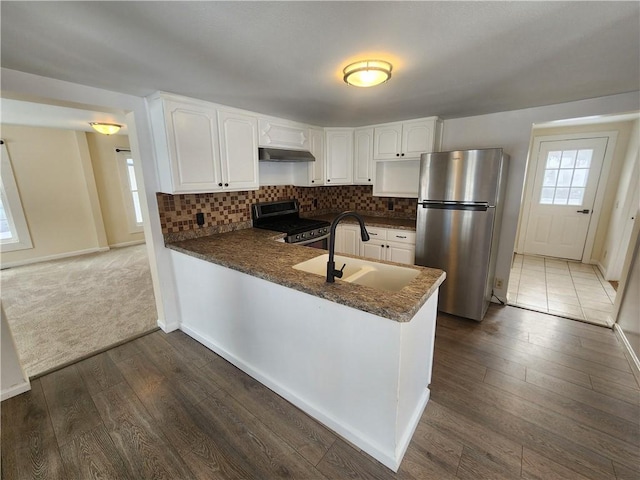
(363, 272)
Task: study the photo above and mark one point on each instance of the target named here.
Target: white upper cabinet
(339, 156)
(186, 137)
(238, 150)
(316, 147)
(312, 174)
(282, 134)
(363, 156)
(203, 149)
(387, 141)
(407, 139)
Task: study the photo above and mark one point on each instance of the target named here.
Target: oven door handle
(313, 240)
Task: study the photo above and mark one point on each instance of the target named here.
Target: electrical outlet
(499, 282)
(200, 219)
(390, 205)
(315, 203)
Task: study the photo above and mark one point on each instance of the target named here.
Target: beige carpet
(63, 310)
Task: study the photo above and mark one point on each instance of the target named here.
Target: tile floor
(560, 287)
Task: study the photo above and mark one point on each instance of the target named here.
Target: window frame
(123, 154)
(21, 237)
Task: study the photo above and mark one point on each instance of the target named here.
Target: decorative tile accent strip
(227, 211)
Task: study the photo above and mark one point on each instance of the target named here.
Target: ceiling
(451, 59)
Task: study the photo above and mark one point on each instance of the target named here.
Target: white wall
(58, 193)
(512, 132)
(619, 229)
(110, 184)
(13, 380)
(628, 319)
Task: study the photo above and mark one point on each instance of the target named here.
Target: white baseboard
(627, 345)
(127, 244)
(168, 327)
(15, 390)
(57, 256)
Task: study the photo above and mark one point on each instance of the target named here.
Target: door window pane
(575, 196)
(546, 198)
(564, 178)
(562, 195)
(553, 159)
(550, 177)
(584, 158)
(580, 176)
(568, 159)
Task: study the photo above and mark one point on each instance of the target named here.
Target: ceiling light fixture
(105, 128)
(367, 73)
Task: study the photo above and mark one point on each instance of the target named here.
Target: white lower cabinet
(348, 239)
(388, 244)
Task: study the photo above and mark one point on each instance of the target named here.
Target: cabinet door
(283, 135)
(387, 143)
(192, 139)
(401, 252)
(417, 138)
(238, 150)
(352, 239)
(374, 249)
(339, 156)
(363, 156)
(316, 147)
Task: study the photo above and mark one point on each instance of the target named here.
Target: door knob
(586, 210)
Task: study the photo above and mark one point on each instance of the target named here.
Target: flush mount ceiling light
(367, 73)
(105, 128)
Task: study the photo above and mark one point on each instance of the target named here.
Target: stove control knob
(303, 235)
(297, 237)
(312, 233)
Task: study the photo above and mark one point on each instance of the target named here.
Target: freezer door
(458, 242)
(461, 176)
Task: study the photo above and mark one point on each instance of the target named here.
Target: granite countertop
(256, 252)
(373, 221)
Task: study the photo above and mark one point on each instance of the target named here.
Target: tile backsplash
(226, 211)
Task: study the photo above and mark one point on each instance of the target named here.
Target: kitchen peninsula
(353, 357)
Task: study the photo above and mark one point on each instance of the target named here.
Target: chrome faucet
(331, 265)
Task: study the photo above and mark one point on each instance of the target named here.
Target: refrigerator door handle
(444, 205)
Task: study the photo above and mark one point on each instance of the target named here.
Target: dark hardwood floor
(520, 395)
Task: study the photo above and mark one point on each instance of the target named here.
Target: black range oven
(284, 216)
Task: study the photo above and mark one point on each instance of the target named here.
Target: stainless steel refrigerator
(458, 224)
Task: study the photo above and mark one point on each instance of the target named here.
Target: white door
(339, 156)
(374, 249)
(417, 138)
(363, 156)
(401, 253)
(193, 144)
(564, 192)
(239, 150)
(387, 142)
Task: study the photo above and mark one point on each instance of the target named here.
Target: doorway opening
(577, 186)
(84, 283)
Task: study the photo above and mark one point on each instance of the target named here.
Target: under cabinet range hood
(284, 155)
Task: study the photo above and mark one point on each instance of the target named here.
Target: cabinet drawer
(377, 233)
(401, 236)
